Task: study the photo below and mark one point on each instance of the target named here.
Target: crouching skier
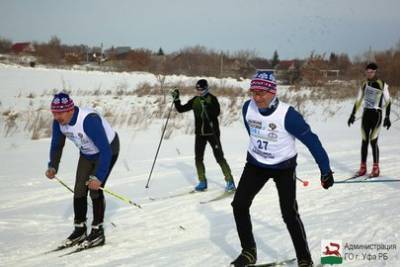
(99, 148)
(273, 127)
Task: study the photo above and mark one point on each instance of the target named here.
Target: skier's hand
(327, 180)
(175, 94)
(93, 183)
(51, 173)
(351, 120)
(387, 123)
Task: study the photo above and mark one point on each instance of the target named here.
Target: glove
(175, 95)
(94, 183)
(387, 123)
(351, 120)
(50, 173)
(327, 180)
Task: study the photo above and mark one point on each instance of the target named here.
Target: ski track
(36, 214)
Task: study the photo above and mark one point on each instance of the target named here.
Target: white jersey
(373, 98)
(270, 142)
(78, 136)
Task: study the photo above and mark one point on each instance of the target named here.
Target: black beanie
(203, 84)
(371, 66)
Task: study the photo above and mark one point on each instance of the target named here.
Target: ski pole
(126, 200)
(63, 184)
(159, 145)
(305, 183)
(368, 181)
(72, 191)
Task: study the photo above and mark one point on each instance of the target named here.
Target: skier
(206, 110)
(273, 126)
(99, 148)
(373, 94)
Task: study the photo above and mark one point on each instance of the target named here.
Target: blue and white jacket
(90, 133)
(272, 134)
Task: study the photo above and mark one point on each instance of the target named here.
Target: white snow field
(36, 213)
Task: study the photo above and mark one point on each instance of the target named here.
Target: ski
(219, 197)
(354, 177)
(174, 195)
(77, 250)
(369, 180)
(274, 263)
(59, 248)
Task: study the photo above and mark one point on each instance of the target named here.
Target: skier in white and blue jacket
(273, 127)
(98, 144)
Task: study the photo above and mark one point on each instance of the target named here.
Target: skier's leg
(97, 196)
(374, 136)
(84, 169)
(219, 157)
(251, 182)
(286, 185)
(199, 148)
(365, 132)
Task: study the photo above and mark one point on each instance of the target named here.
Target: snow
(36, 213)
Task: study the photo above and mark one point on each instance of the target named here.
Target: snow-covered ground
(36, 213)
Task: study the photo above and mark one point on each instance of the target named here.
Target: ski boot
(248, 256)
(375, 171)
(230, 186)
(305, 263)
(77, 236)
(201, 186)
(95, 238)
(363, 170)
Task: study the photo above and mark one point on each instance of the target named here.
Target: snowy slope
(36, 214)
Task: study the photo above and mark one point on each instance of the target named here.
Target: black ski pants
(85, 169)
(252, 180)
(370, 127)
(199, 148)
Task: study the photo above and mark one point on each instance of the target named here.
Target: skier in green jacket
(206, 110)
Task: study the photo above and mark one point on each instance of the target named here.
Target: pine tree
(275, 59)
(160, 52)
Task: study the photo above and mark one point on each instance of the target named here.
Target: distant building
(26, 47)
(120, 52)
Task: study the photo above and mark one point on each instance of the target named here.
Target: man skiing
(99, 148)
(273, 126)
(206, 110)
(373, 94)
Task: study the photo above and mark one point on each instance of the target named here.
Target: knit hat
(202, 84)
(62, 103)
(371, 66)
(263, 81)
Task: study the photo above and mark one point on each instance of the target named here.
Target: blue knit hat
(264, 81)
(62, 103)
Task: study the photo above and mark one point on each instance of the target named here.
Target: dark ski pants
(252, 180)
(370, 126)
(199, 148)
(85, 169)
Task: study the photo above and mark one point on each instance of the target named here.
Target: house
(287, 71)
(119, 53)
(26, 47)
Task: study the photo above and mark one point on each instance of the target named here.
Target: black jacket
(206, 111)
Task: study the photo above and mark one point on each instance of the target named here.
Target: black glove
(351, 120)
(387, 123)
(175, 94)
(327, 180)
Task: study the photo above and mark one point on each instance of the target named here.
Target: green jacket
(205, 115)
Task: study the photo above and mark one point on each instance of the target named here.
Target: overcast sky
(292, 27)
